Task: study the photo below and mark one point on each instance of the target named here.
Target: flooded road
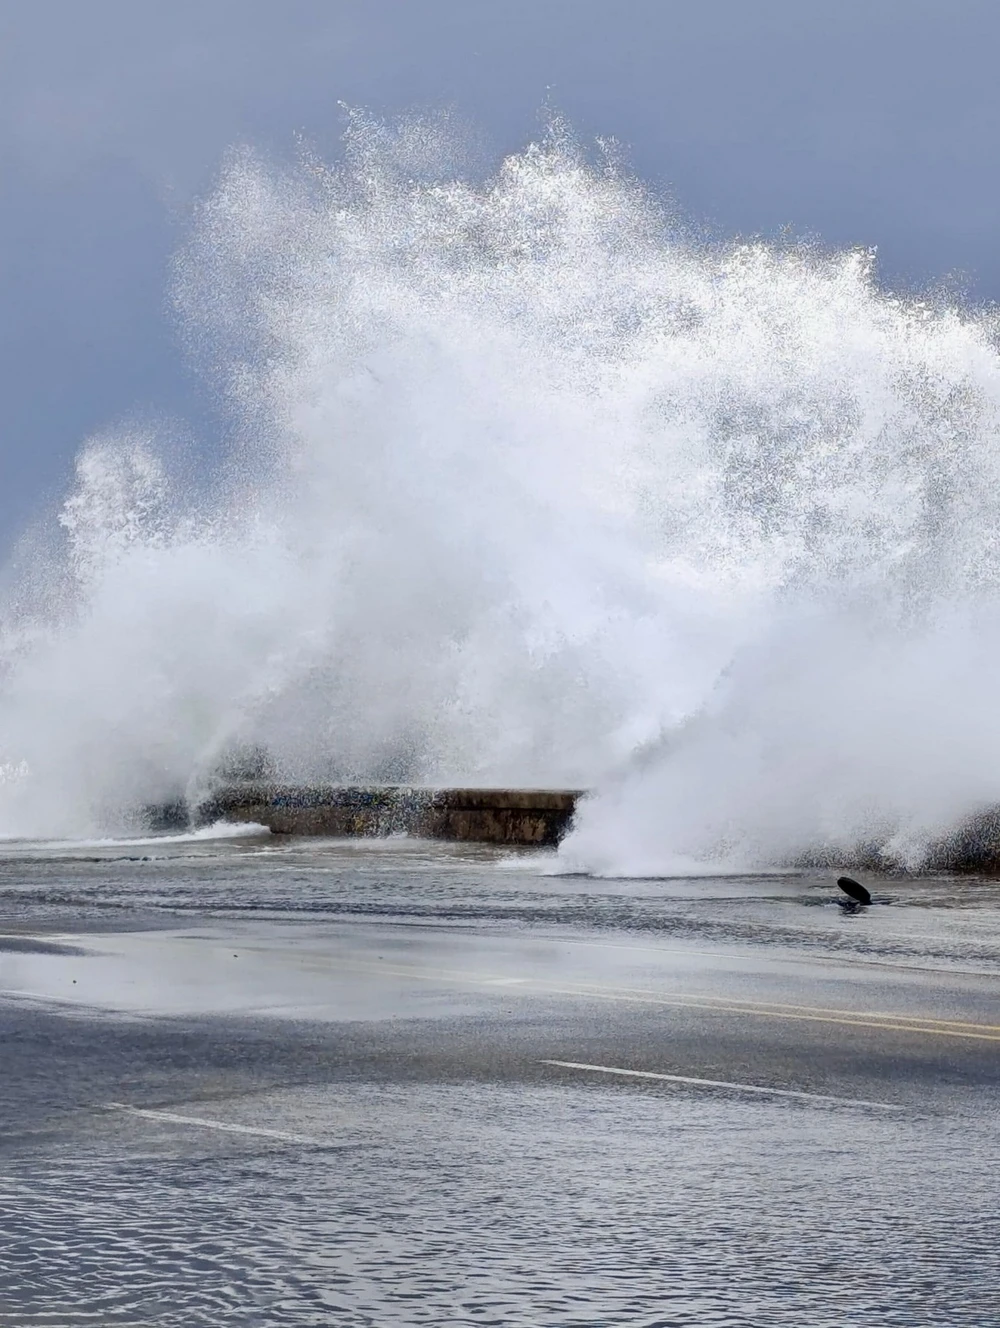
(248, 1082)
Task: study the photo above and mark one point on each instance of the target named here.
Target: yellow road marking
(719, 1004)
(730, 1002)
(780, 957)
(753, 957)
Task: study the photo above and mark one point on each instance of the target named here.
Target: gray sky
(870, 122)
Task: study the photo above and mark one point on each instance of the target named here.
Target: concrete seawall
(490, 816)
(538, 817)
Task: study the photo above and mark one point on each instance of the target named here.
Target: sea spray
(528, 487)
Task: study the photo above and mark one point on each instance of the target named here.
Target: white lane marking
(722, 1083)
(172, 1118)
(503, 982)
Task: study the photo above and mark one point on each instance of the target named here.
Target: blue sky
(865, 122)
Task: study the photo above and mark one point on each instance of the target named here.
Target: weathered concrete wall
(503, 816)
(491, 816)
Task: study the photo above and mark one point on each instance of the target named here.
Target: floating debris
(857, 892)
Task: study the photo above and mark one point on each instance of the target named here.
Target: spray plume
(529, 487)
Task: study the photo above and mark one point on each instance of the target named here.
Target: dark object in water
(857, 892)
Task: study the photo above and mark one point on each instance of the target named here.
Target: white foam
(220, 830)
(530, 489)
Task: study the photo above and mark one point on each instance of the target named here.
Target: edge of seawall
(537, 817)
(531, 817)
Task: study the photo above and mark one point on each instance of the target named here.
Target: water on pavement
(252, 1083)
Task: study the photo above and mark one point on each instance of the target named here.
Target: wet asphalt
(262, 1113)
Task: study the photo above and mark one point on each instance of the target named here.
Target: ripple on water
(437, 883)
(504, 1206)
